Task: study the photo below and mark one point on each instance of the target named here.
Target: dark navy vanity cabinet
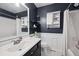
(35, 50)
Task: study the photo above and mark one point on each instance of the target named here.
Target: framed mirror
(14, 20)
(53, 19)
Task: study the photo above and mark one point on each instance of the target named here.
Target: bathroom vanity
(16, 41)
(29, 46)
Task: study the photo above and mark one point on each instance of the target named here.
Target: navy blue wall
(42, 11)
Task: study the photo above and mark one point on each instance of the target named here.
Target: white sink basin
(17, 47)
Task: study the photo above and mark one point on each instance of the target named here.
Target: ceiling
(12, 7)
(42, 4)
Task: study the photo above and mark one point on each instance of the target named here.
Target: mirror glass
(14, 20)
(53, 19)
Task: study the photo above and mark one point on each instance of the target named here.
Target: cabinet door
(37, 52)
(31, 51)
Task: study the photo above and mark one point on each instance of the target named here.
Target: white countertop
(13, 50)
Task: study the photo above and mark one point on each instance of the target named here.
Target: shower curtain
(69, 32)
(73, 31)
(65, 29)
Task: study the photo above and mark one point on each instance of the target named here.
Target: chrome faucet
(17, 41)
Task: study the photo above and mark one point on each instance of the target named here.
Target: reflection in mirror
(22, 25)
(14, 19)
(53, 19)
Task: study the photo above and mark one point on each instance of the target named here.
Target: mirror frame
(27, 16)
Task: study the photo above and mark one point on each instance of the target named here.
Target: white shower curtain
(73, 31)
(65, 29)
(69, 32)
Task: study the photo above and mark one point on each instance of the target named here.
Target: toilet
(46, 50)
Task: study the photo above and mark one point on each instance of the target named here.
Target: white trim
(66, 18)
